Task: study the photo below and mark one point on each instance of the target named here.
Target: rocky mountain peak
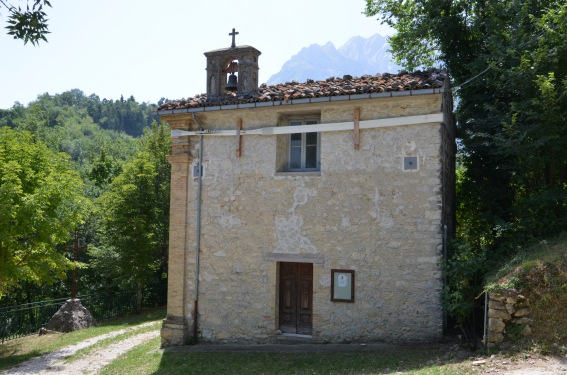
(358, 56)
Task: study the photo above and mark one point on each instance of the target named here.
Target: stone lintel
(301, 258)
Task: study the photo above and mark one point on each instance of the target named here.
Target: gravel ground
(54, 362)
(535, 365)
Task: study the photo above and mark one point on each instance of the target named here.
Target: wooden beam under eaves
(238, 137)
(356, 131)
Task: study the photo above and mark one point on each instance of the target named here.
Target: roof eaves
(323, 99)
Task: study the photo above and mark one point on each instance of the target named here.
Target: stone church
(315, 211)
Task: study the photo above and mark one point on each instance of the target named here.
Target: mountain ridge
(358, 56)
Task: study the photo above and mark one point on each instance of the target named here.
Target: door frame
(299, 293)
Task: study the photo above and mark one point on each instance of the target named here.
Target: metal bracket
(238, 137)
(356, 131)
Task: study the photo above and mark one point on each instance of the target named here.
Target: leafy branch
(29, 25)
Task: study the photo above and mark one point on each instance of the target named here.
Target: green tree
(104, 169)
(135, 210)
(29, 25)
(66, 123)
(41, 203)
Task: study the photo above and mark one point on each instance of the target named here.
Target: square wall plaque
(342, 285)
(410, 163)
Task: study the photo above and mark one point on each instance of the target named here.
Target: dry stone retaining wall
(508, 314)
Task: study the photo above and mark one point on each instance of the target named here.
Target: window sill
(298, 173)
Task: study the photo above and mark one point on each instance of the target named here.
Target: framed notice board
(342, 285)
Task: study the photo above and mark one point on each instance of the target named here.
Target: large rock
(499, 314)
(523, 320)
(522, 312)
(496, 325)
(497, 305)
(495, 337)
(72, 316)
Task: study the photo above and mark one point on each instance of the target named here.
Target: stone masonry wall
(508, 314)
(363, 212)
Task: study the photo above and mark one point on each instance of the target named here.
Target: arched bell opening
(231, 73)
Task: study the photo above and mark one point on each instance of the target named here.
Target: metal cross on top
(233, 34)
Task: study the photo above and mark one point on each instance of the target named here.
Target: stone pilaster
(175, 328)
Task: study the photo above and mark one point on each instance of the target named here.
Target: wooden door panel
(305, 302)
(296, 297)
(288, 294)
(288, 315)
(305, 296)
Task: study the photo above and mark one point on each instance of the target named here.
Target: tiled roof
(333, 86)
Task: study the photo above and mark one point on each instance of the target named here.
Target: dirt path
(54, 362)
(537, 365)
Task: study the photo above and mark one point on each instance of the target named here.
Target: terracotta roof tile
(332, 86)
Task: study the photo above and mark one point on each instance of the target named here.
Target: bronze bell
(232, 84)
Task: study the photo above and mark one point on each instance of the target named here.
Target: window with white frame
(303, 148)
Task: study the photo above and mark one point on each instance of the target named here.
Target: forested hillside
(124, 115)
(74, 163)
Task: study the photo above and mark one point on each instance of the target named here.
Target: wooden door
(296, 297)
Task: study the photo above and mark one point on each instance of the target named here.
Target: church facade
(314, 211)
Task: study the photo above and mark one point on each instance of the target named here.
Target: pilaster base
(173, 332)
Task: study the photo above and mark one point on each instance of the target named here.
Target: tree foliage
(29, 24)
(41, 203)
(508, 62)
(136, 214)
(71, 124)
(48, 111)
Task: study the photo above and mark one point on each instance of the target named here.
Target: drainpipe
(485, 330)
(198, 234)
(445, 279)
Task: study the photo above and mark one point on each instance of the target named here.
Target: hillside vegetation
(112, 157)
(539, 272)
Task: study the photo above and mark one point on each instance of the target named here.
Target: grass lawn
(16, 351)
(149, 359)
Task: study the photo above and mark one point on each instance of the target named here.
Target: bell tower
(232, 69)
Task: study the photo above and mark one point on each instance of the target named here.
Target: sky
(154, 49)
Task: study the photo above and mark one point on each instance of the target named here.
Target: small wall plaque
(197, 170)
(342, 285)
(410, 163)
